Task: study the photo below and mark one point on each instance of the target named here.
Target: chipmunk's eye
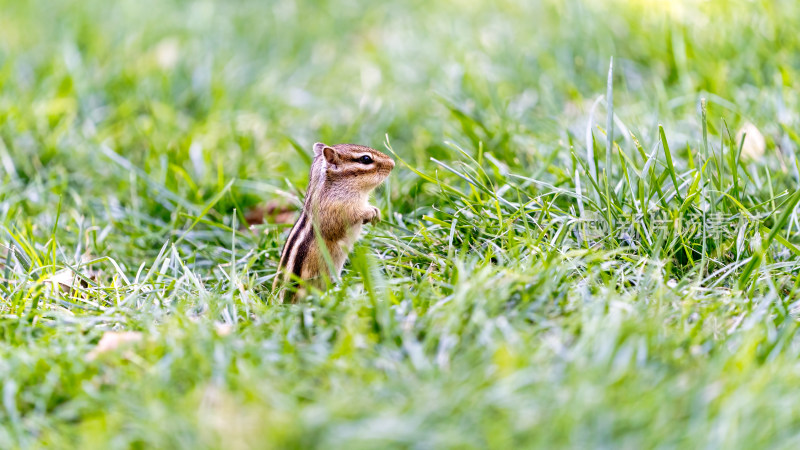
(365, 159)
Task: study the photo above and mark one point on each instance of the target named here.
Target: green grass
(527, 287)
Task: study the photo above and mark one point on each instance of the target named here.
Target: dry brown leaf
(255, 216)
(63, 278)
(66, 279)
(272, 212)
(111, 340)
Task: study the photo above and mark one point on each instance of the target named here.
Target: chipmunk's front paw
(371, 215)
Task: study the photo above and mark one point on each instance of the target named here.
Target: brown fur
(334, 211)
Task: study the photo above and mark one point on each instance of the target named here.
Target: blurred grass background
(136, 135)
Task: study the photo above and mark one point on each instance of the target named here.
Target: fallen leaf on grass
(754, 142)
(223, 329)
(67, 279)
(111, 340)
(64, 279)
(271, 212)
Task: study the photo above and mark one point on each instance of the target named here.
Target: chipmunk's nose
(391, 164)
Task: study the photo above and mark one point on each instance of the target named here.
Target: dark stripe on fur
(289, 245)
(302, 251)
(349, 172)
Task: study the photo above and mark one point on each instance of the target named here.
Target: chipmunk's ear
(318, 148)
(331, 155)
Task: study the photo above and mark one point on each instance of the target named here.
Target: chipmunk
(335, 208)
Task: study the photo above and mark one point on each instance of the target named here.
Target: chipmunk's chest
(350, 237)
(355, 227)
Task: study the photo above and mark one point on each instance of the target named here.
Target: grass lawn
(554, 269)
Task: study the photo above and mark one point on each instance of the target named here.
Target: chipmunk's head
(360, 167)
